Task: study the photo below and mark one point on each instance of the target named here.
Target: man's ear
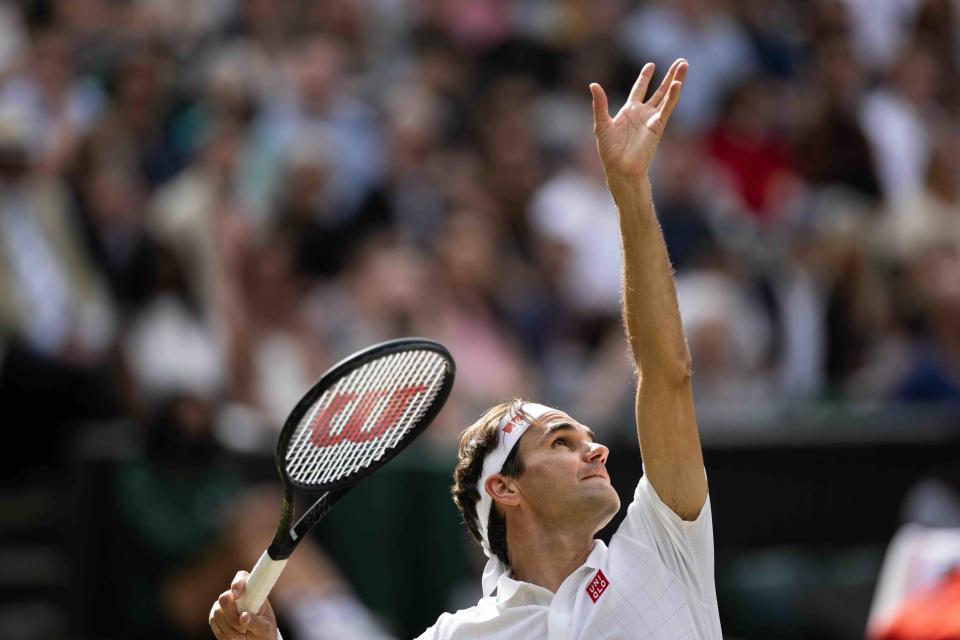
(503, 490)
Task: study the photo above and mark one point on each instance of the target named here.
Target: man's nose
(596, 452)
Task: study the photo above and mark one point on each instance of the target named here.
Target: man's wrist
(630, 191)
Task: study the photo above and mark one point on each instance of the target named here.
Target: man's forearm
(650, 310)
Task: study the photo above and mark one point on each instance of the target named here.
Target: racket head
(362, 413)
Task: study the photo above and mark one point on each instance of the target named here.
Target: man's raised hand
(627, 141)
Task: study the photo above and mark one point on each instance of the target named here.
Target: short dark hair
(476, 442)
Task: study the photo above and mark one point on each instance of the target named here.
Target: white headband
(512, 426)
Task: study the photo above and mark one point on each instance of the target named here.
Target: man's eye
(562, 441)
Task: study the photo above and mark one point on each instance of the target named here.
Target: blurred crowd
(225, 197)
(205, 203)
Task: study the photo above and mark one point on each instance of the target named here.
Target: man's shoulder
(448, 623)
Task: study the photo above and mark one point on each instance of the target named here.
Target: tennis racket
(360, 414)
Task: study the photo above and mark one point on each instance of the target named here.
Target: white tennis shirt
(655, 581)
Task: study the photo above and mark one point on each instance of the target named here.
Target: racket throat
(287, 540)
(314, 514)
(283, 542)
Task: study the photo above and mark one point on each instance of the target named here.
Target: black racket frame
(287, 538)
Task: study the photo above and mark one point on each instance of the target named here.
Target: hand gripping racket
(362, 412)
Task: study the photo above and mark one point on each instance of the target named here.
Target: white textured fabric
(657, 583)
(511, 427)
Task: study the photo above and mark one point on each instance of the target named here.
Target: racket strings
(314, 449)
(377, 446)
(328, 418)
(363, 416)
(355, 386)
(404, 409)
(348, 457)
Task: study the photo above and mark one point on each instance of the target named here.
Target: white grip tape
(260, 582)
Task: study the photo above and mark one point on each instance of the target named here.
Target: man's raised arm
(666, 422)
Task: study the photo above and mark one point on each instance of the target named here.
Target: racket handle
(260, 582)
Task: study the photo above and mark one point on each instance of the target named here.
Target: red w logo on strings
(362, 406)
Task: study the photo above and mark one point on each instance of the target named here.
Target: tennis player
(531, 481)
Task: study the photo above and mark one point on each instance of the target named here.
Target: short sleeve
(433, 632)
(685, 547)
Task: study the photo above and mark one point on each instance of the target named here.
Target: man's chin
(608, 509)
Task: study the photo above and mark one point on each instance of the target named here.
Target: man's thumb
(601, 113)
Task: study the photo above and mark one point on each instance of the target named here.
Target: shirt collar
(508, 588)
(595, 559)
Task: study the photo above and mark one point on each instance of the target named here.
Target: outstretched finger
(673, 96)
(639, 89)
(601, 113)
(678, 67)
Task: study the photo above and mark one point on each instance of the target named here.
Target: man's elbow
(674, 371)
(661, 361)
(682, 369)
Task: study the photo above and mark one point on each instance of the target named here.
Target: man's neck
(546, 557)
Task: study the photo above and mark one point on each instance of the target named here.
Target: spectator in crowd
(56, 106)
(894, 118)
(57, 320)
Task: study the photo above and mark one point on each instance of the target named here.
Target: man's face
(565, 477)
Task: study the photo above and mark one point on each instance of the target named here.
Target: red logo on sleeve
(597, 586)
